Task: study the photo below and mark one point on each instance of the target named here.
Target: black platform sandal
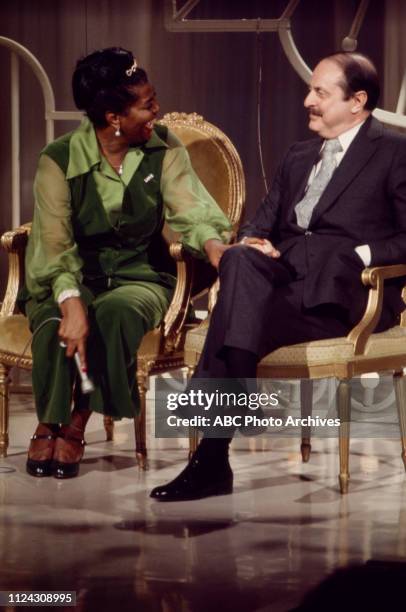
(63, 469)
(44, 467)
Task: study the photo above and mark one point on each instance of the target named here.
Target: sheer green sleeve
(52, 260)
(189, 208)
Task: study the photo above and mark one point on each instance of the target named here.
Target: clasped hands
(215, 249)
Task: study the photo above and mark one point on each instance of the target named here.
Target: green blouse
(52, 255)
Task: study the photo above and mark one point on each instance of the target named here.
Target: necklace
(109, 149)
(117, 167)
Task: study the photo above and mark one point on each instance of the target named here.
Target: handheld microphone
(86, 384)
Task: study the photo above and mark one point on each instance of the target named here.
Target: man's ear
(359, 100)
(112, 119)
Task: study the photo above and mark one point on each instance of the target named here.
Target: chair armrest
(374, 278)
(14, 242)
(179, 306)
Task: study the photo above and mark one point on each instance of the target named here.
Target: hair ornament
(131, 69)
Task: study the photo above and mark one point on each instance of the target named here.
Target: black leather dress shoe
(199, 479)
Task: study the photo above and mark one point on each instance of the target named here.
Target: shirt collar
(84, 152)
(346, 138)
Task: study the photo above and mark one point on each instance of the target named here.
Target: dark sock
(240, 363)
(214, 449)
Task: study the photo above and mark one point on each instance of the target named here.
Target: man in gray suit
(337, 205)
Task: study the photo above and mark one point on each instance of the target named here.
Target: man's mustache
(315, 113)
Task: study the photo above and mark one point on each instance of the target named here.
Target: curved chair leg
(193, 432)
(140, 423)
(306, 408)
(193, 440)
(4, 408)
(344, 414)
(108, 423)
(400, 391)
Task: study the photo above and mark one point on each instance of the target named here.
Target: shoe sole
(64, 475)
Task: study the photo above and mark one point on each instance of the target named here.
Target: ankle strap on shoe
(71, 438)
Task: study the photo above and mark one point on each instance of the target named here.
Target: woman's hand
(215, 250)
(263, 245)
(74, 328)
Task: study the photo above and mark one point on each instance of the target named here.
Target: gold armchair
(219, 167)
(360, 352)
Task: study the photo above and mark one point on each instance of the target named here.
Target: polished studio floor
(285, 528)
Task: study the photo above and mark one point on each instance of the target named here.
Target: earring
(117, 132)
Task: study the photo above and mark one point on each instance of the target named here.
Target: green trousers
(118, 318)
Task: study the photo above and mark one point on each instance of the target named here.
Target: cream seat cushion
(338, 350)
(15, 335)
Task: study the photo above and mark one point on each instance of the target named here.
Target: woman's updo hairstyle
(104, 81)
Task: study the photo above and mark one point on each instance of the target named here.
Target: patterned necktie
(305, 207)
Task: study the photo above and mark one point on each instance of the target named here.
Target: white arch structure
(51, 115)
(176, 21)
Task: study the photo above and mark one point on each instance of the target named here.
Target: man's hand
(215, 250)
(74, 328)
(261, 244)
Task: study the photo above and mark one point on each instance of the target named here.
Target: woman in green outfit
(102, 193)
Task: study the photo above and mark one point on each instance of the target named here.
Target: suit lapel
(359, 152)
